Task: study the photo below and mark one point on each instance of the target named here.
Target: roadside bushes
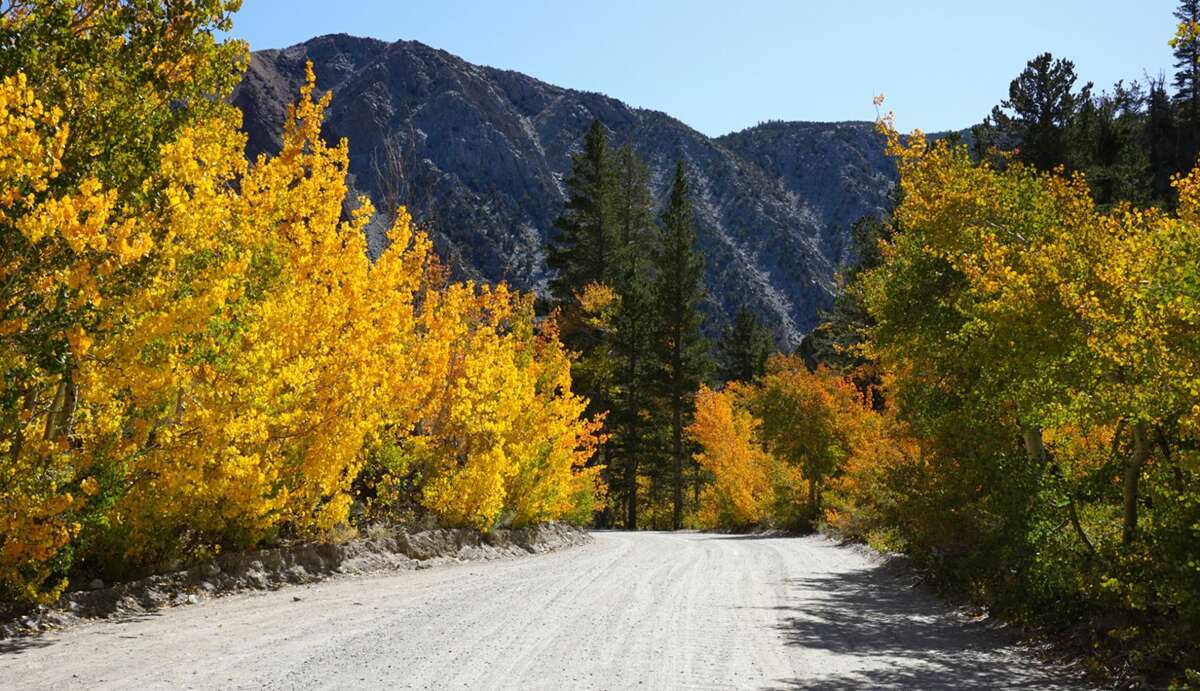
(1042, 353)
(205, 359)
(774, 445)
(748, 482)
(503, 437)
(1037, 450)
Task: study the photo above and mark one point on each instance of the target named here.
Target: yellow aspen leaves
(228, 358)
(503, 439)
(773, 446)
(742, 493)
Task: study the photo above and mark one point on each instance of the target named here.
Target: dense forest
(198, 355)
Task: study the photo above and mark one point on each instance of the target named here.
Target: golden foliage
(763, 442)
(40, 349)
(742, 493)
(231, 351)
(504, 432)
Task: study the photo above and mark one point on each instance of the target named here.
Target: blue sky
(723, 66)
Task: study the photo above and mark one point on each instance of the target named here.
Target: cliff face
(480, 154)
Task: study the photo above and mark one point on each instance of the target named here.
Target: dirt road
(631, 610)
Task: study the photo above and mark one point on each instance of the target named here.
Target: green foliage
(1041, 104)
(682, 350)
(629, 292)
(837, 341)
(1039, 357)
(744, 348)
(582, 247)
(1186, 49)
(1107, 144)
(1129, 141)
(633, 417)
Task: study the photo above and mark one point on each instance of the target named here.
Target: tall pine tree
(580, 250)
(1108, 144)
(1161, 140)
(1187, 61)
(1186, 45)
(681, 349)
(631, 417)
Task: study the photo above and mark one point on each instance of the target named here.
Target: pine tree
(1040, 106)
(682, 350)
(1162, 141)
(632, 335)
(580, 250)
(1186, 45)
(1187, 61)
(744, 348)
(836, 343)
(580, 253)
(1107, 143)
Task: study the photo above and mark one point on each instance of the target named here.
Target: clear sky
(721, 66)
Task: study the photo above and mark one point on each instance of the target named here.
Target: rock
(192, 599)
(96, 584)
(485, 151)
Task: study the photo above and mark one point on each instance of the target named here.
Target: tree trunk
(631, 491)
(1164, 445)
(812, 499)
(677, 444)
(62, 412)
(1034, 446)
(1036, 449)
(632, 446)
(1133, 475)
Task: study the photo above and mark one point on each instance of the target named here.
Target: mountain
(479, 155)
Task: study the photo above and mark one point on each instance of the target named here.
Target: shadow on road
(44, 639)
(13, 646)
(910, 638)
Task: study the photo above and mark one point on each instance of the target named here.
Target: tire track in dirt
(630, 610)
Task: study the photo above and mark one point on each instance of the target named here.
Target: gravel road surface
(630, 610)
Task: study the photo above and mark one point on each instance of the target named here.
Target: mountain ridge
(484, 152)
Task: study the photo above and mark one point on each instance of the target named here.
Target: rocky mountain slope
(479, 154)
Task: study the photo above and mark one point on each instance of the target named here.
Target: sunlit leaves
(769, 442)
(208, 370)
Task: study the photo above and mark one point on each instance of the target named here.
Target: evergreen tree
(580, 253)
(1187, 62)
(682, 350)
(1107, 142)
(1186, 45)
(744, 348)
(631, 418)
(836, 342)
(1041, 104)
(1161, 140)
(580, 249)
